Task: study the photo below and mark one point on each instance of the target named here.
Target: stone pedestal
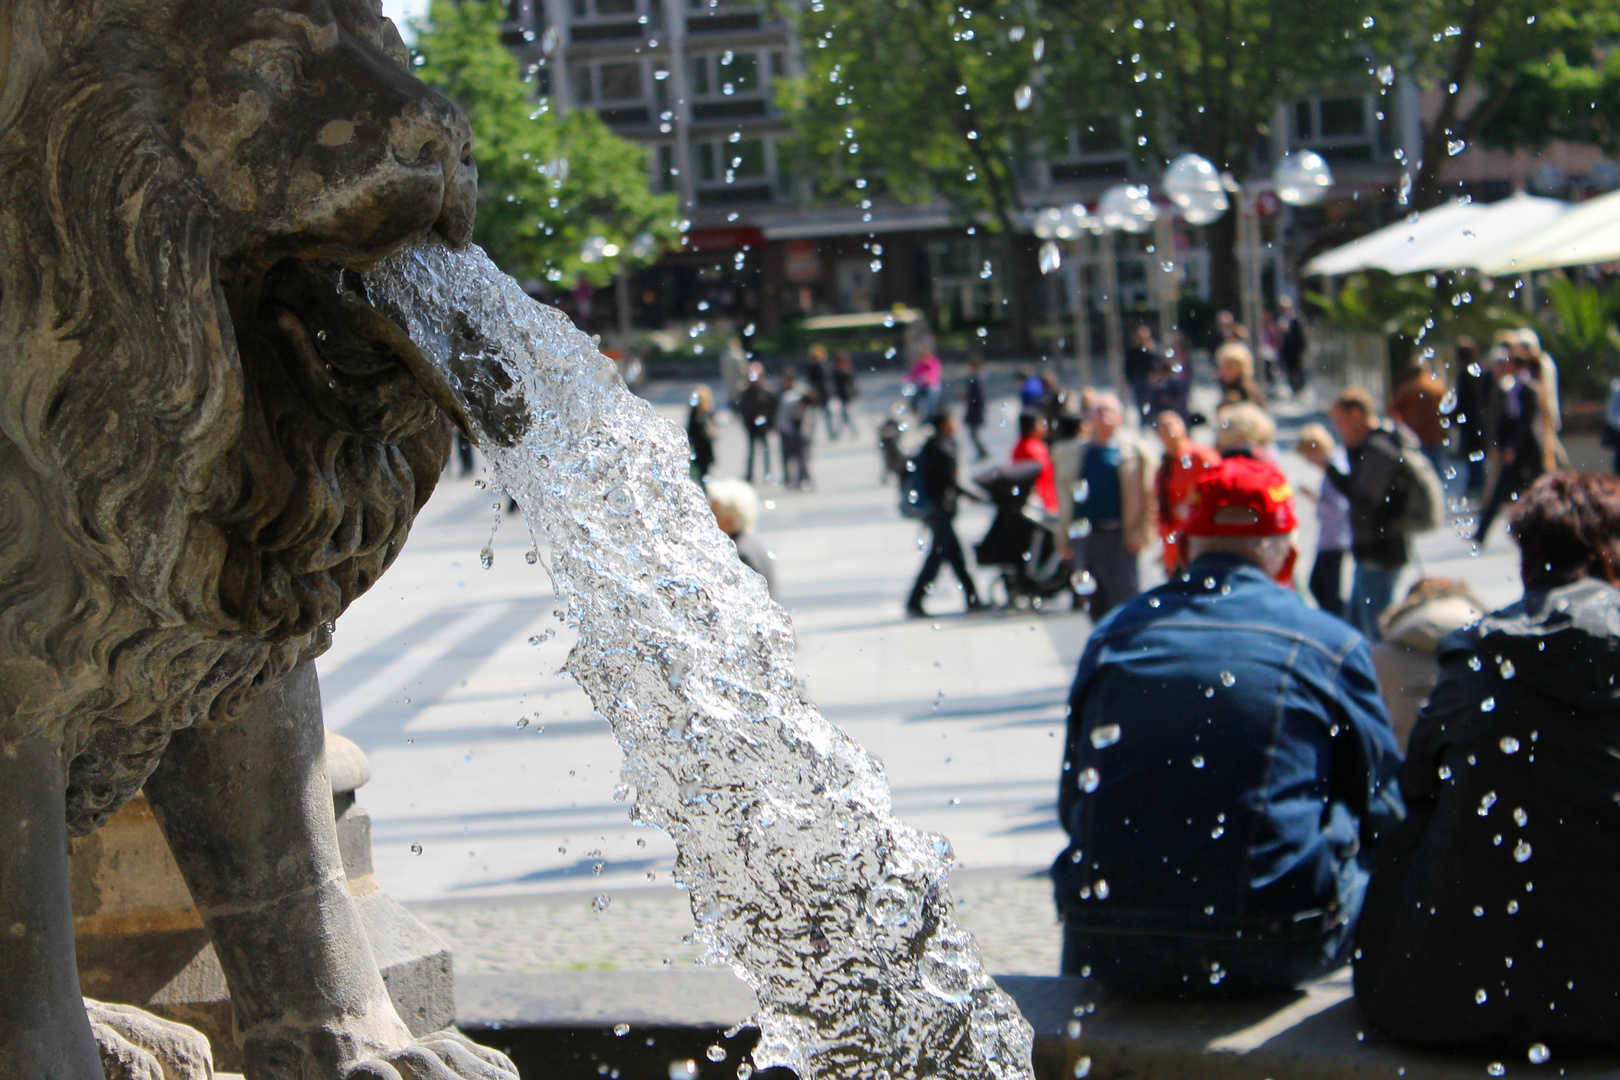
(140, 941)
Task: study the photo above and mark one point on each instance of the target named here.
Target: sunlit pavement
(493, 779)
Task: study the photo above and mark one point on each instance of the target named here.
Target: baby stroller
(1021, 542)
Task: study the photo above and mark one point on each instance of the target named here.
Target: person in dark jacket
(1521, 436)
(1229, 768)
(973, 405)
(943, 488)
(1292, 343)
(844, 389)
(756, 408)
(700, 432)
(1490, 920)
(1376, 490)
(815, 379)
(1141, 357)
(1471, 423)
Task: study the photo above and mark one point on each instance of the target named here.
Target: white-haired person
(736, 511)
(1109, 485)
(1244, 429)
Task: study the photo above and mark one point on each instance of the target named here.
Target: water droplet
(1495, 1068)
(1521, 852)
(1082, 1067)
(1520, 818)
(1101, 889)
(486, 558)
(620, 501)
(1083, 583)
(1538, 1054)
(416, 849)
(1445, 772)
(1509, 744)
(1198, 761)
(1506, 669)
(621, 1030)
(1228, 680)
(1487, 801)
(683, 1069)
(1217, 832)
(1488, 705)
(531, 556)
(600, 902)
(744, 1071)
(1051, 257)
(1089, 779)
(479, 484)
(1104, 735)
(523, 722)
(1154, 601)
(715, 1053)
(1480, 998)
(1474, 664)
(1073, 1029)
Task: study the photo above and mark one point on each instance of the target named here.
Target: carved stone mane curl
(176, 525)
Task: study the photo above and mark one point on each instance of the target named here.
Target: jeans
(1201, 965)
(1371, 592)
(759, 436)
(1113, 569)
(1327, 582)
(945, 548)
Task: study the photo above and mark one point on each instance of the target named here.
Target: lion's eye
(273, 61)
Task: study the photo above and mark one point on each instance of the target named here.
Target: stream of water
(801, 878)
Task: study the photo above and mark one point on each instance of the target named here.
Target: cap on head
(1242, 497)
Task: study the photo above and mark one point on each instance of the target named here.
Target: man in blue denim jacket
(1229, 768)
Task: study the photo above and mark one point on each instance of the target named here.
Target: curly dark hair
(1568, 526)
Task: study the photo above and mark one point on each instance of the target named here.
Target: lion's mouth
(356, 366)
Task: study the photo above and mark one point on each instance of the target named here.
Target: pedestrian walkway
(493, 792)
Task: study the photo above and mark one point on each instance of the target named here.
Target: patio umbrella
(1588, 233)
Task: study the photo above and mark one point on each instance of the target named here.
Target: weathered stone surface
(136, 1045)
(212, 444)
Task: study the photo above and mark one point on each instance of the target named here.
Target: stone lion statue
(210, 444)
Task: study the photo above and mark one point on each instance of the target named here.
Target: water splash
(801, 877)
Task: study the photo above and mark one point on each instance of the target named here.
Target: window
(778, 68)
(699, 75)
(1338, 128)
(666, 168)
(580, 81)
(1343, 116)
(1304, 128)
(727, 74)
(621, 82)
(732, 162)
(1093, 150)
(605, 9)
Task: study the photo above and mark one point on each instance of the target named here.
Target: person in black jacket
(973, 404)
(942, 488)
(756, 408)
(1520, 436)
(1490, 919)
(1375, 487)
(1471, 423)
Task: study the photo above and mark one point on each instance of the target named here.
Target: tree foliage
(547, 185)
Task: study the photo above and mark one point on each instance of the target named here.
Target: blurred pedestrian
(1471, 423)
(925, 377)
(1375, 485)
(889, 449)
(1406, 659)
(1030, 390)
(942, 488)
(1234, 370)
(736, 510)
(1141, 357)
(700, 432)
(1292, 343)
(1228, 772)
(1333, 534)
(844, 389)
(973, 404)
(464, 451)
(1170, 389)
(815, 381)
(1031, 446)
(795, 427)
(1417, 403)
(1527, 346)
(1244, 429)
(1490, 920)
(756, 408)
(1113, 494)
(1181, 466)
(734, 369)
(1521, 434)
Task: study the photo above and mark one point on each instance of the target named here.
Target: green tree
(548, 186)
(920, 99)
(1515, 73)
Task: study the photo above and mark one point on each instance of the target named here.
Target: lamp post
(1072, 224)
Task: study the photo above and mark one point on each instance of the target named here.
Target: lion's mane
(176, 527)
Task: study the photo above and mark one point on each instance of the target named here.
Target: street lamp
(1069, 223)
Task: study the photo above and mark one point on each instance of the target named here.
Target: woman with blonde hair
(700, 433)
(1234, 369)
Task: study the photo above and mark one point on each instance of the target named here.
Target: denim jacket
(1229, 763)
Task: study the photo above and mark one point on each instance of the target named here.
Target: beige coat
(1137, 465)
(1405, 660)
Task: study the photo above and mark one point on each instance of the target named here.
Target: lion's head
(210, 443)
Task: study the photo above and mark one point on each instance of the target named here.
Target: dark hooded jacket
(1493, 917)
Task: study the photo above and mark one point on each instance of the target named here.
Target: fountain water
(801, 877)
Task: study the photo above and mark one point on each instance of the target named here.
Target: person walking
(1376, 488)
(1114, 494)
(1490, 918)
(1333, 534)
(700, 433)
(1417, 404)
(1141, 357)
(845, 390)
(1170, 389)
(1228, 770)
(942, 488)
(736, 509)
(973, 404)
(815, 380)
(1182, 465)
(795, 427)
(1234, 368)
(1471, 423)
(1031, 446)
(926, 377)
(1521, 431)
(756, 407)
(1291, 344)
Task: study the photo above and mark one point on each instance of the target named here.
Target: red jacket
(1033, 449)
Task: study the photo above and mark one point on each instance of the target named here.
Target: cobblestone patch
(649, 930)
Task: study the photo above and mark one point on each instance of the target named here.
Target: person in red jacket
(1032, 447)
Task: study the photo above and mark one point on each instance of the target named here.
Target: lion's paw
(136, 1045)
(442, 1055)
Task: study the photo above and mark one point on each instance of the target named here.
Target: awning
(1588, 233)
(1449, 237)
(860, 319)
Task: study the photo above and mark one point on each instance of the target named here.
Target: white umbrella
(1401, 239)
(1511, 221)
(1588, 233)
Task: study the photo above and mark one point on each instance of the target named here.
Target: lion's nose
(434, 132)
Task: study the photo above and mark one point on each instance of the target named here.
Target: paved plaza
(492, 797)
